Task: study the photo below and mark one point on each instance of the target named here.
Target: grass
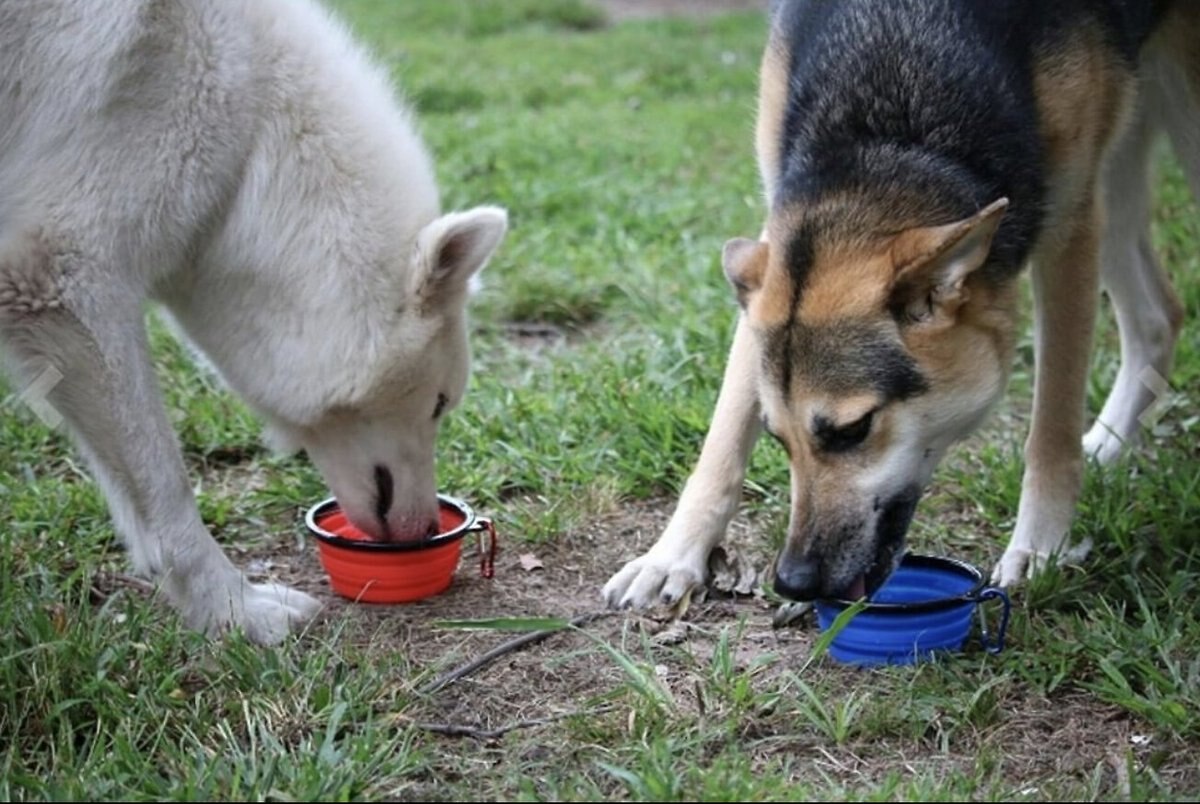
(624, 154)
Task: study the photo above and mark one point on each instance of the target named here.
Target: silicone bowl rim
(940, 563)
(468, 525)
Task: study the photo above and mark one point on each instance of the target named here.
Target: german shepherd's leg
(1178, 88)
(81, 346)
(1148, 313)
(678, 561)
(1065, 291)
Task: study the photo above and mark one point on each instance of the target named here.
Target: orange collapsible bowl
(363, 569)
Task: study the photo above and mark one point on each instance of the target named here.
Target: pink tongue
(858, 589)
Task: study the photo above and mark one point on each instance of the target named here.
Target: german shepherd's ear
(932, 263)
(744, 261)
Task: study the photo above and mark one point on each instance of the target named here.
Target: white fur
(244, 163)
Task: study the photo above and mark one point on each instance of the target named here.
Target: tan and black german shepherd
(916, 156)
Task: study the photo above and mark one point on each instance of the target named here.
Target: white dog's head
(373, 380)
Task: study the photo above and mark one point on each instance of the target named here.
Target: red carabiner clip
(487, 548)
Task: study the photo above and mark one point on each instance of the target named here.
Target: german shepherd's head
(881, 343)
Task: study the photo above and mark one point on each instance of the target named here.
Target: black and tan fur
(917, 157)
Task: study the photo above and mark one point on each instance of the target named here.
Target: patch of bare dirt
(560, 579)
(552, 704)
(545, 702)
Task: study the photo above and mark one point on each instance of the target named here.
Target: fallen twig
(460, 730)
(105, 583)
(502, 649)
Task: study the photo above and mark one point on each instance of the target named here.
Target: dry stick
(117, 579)
(460, 730)
(457, 730)
(500, 650)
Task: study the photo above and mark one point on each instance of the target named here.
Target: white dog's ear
(454, 248)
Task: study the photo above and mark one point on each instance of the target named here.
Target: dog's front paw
(265, 612)
(1013, 566)
(1021, 563)
(661, 577)
(272, 611)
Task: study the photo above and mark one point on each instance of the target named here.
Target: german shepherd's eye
(442, 401)
(842, 439)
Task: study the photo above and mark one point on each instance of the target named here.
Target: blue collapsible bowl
(925, 607)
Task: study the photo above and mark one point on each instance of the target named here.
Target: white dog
(244, 164)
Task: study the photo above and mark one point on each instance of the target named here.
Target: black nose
(798, 579)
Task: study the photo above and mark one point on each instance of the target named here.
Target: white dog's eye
(442, 401)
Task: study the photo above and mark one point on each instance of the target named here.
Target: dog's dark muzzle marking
(809, 577)
(384, 491)
(890, 532)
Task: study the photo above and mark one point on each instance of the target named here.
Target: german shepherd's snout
(846, 557)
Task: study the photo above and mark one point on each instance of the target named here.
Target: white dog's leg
(84, 356)
(1149, 315)
(678, 561)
